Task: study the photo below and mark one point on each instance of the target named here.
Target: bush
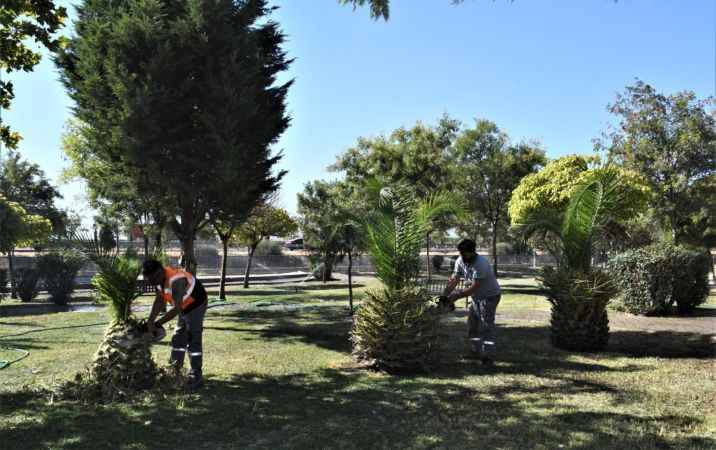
(269, 248)
(26, 283)
(437, 261)
(655, 278)
(58, 271)
(691, 279)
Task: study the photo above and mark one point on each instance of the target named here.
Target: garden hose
(5, 363)
(213, 302)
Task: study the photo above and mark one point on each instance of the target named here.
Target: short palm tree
(123, 363)
(578, 292)
(395, 329)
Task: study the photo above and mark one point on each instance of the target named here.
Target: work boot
(194, 380)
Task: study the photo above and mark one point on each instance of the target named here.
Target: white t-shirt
(480, 270)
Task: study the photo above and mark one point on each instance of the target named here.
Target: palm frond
(590, 208)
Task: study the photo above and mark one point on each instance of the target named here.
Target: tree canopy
(671, 141)
(488, 168)
(25, 183)
(183, 98)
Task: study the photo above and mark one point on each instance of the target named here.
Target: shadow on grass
(332, 408)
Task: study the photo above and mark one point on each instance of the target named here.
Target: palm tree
(396, 327)
(123, 363)
(578, 292)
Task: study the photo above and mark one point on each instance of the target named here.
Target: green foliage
(571, 206)
(656, 278)
(395, 234)
(322, 220)
(58, 270)
(395, 329)
(22, 21)
(488, 169)
(25, 183)
(579, 301)
(26, 283)
(265, 221)
(116, 284)
(378, 8)
(18, 228)
(269, 248)
(415, 156)
(579, 294)
(145, 104)
(116, 277)
(670, 140)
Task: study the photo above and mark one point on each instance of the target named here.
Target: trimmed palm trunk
(579, 301)
(123, 364)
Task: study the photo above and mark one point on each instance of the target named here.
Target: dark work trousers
(481, 325)
(187, 336)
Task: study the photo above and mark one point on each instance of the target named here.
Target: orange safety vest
(170, 276)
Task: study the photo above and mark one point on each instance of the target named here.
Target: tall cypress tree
(181, 96)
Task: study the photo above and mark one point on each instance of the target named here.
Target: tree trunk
(187, 245)
(327, 268)
(158, 242)
(224, 257)
(427, 255)
(247, 272)
(146, 247)
(11, 270)
(350, 282)
(494, 248)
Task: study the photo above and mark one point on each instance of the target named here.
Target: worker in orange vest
(188, 299)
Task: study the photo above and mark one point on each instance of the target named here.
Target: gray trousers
(481, 324)
(188, 336)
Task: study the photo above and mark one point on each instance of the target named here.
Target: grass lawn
(283, 378)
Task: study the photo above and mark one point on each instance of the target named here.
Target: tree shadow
(335, 408)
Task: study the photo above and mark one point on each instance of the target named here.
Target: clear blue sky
(541, 70)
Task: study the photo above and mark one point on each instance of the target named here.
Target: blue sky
(542, 70)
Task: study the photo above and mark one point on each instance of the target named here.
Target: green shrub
(655, 278)
(691, 279)
(437, 261)
(58, 271)
(26, 283)
(268, 248)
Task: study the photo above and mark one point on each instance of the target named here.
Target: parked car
(294, 244)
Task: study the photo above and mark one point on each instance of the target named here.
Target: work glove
(445, 304)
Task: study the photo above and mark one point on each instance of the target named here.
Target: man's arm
(156, 307)
(178, 291)
(467, 292)
(452, 282)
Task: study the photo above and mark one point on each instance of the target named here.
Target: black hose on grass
(213, 302)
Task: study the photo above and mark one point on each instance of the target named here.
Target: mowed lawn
(283, 378)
